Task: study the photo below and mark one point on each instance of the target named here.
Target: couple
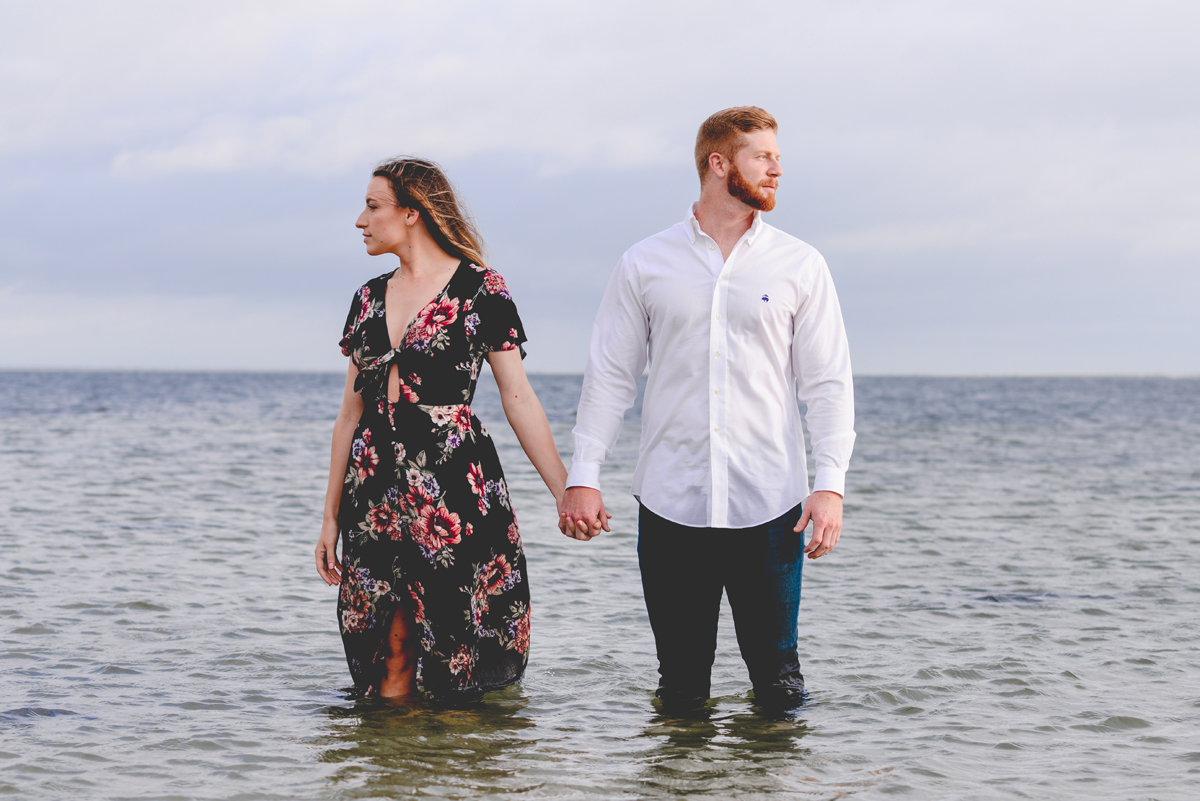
(732, 316)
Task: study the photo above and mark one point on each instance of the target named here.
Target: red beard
(753, 197)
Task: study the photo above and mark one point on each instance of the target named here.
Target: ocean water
(1013, 611)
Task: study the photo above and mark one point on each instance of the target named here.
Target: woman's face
(385, 226)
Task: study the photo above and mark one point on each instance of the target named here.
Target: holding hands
(581, 513)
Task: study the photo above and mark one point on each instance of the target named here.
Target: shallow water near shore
(1013, 611)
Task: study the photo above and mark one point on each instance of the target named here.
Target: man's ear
(717, 164)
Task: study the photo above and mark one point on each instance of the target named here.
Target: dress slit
(393, 389)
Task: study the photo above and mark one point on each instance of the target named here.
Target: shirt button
(718, 353)
(716, 392)
(712, 247)
(718, 317)
(716, 428)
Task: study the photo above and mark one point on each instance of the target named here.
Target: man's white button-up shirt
(729, 345)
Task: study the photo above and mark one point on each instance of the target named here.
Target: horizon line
(261, 371)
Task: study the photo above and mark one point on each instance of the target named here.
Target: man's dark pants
(684, 571)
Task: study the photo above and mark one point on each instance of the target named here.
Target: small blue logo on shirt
(765, 298)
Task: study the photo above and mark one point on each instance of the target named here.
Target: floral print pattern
(426, 520)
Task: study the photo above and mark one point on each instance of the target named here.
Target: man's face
(754, 173)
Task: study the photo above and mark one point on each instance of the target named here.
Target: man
(733, 316)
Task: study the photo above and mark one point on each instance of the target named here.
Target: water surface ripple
(1012, 611)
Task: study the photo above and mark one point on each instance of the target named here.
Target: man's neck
(724, 218)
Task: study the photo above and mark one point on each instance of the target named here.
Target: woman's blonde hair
(422, 185)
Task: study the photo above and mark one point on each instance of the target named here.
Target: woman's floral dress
(425, 517)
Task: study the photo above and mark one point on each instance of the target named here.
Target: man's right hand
(582, 514)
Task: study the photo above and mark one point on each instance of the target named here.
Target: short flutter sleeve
(360, 310)
(497, 324)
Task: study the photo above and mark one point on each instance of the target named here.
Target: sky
(998, 187)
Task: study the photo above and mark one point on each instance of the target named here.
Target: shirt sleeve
(497, 324)
(616, 358)
(351, 341)
(824, 382)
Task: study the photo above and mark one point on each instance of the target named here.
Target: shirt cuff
(584, 474)
(829, 479)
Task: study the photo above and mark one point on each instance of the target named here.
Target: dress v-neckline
(407, 328)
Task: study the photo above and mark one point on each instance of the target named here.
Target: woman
(434, 591)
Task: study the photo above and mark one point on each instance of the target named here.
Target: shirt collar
(694, 230)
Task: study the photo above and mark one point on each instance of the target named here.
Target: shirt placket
(718, 387)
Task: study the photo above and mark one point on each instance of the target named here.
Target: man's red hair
(722, 133)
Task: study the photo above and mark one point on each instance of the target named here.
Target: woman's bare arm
(528, 419)
(343, 435)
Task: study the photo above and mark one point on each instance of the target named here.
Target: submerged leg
(763, 583)
(400, 660)
(682, 587)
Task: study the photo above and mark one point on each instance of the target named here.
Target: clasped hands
(581, 515)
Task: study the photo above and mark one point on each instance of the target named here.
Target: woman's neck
(422, 258)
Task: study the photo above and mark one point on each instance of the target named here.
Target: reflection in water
(725, 753)
(391, 748)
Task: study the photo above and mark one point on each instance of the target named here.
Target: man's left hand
(824, 509)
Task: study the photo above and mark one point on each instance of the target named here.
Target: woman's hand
(327, 561)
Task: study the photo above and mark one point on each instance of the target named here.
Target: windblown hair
(722, 133)
(422, 185)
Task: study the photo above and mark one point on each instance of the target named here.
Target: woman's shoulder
(367, 301)
(378, 283)
(490, 281)
(372, 290)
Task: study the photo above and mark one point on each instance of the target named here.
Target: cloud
(1135, 191)
(303, 86)
(246, 86)
(149, 331)
(217, 332)
(218, 149)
